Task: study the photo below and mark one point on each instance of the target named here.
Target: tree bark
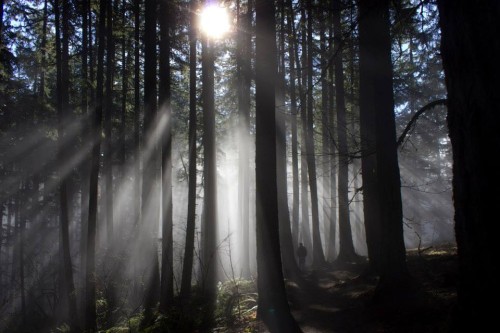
(90, 272)
(167, 268)
(62, 44)
(272, 303)
(244, 74)
(187, 267)
(346, 245)
(210, 253)
(375, 33)
(470, 49)
(318, 255)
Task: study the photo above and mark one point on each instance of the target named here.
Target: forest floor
(338, 299)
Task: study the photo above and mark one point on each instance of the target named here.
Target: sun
(214, 21)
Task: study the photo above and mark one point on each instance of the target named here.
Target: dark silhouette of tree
(187, 267)
(346, 246)
(108, 115)
(209, 251)
(149, 174)
(376, 93)
(90, 271)
(293, 127)
(290, 267)
(318, 256)
(273, 307)
(167, 270)
(470, 50)
(62, 59)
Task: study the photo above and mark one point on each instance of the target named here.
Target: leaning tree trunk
(470, 49)
(273, 307)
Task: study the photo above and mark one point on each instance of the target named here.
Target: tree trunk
(209, 253)
(244, 50)
(325, 130)
(108, 150)
(293, 128)
(90, 271)
(149, 174)
(167, 268)
(318, 256)
(368, 157)
(62, 59)
(290, 267)
(304, 197)
(375, 33)
(470, 49)
(187, 267)
(346, 246)
(272, 304)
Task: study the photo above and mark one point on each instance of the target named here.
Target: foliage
(236, 302)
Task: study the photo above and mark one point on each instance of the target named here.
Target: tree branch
(416, 115)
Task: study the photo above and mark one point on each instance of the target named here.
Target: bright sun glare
(214, 21)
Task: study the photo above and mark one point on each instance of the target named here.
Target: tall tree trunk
(293, 128)
(304, 191)
(318, 256)
(149, 175)
(332, 231)
(90, 271)
(209, 252)
(290, 267)
(62, 60)
(244, 49)
(375, 42)
(470, 49)
(108, 150)
(272, 304)
(187, 267)
(368, 157)
(126, 56)
(85, 166)
(167, 268)
(346, 246)
(325, 130)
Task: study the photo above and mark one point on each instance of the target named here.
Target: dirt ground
(339, 300)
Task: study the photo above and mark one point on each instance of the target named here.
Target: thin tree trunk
(273, 307)
(318, 256)
(290, 267)
(293, 128)
(167, 269)
(90, 271)
(62, 60)
(187, 267)
(108, 150)
(149, 174)
(244, 76)
(304, 198)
